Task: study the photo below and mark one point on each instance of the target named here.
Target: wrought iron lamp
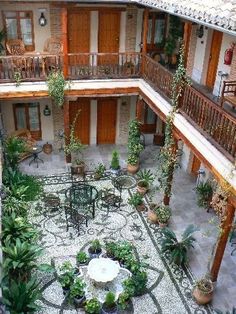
(200, 32)
(47, 111)
(42, 19)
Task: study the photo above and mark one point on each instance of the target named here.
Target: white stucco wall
(226, 41)
(139, 30)
(198, 65)
(40, 33)
(185, 156)
(46, 121)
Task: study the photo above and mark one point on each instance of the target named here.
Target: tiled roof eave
(224, 20)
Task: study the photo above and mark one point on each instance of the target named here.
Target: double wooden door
(106, 121)
(109, 36)
(82, 125)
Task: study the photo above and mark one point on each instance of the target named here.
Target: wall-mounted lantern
(42, 19)
(47, 111)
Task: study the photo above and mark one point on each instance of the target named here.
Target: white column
(133, 101)
(94, 31)
(118, 120)
(122, 31)
(93, 122)
(139, 30)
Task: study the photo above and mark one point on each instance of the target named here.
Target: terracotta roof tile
(216, 12)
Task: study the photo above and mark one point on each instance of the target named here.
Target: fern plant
(178, 249)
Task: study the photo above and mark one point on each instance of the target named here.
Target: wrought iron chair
(52, 46)
(74, 218)
(110, 199)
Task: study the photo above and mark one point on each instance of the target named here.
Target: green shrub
(163, 213)
(178, 249)
(110, 302)
(92, 306)
(115, 163)
(81, 257)
(77, 289)
(204, 192)
(135, 199)
(13, 149)
(21, 297)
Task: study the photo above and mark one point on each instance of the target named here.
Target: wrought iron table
(35, 155)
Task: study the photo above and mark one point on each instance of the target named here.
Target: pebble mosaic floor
(169, 287)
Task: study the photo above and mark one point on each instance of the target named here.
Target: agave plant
(21, 297)
(20, 258)
(178, 249)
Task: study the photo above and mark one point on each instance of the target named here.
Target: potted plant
(152, 216)
(81, 258)
(178, 249)
(111, 249)
(134, 146)
(145, 178)
(163, 215)
(66, 276)
(204, 192)
(115, 163)
(77, 293)
(124, 300)
(95, 248)
(203, 291)
(99, 171)
(73, 147)
(136, 285)
(109, 305)
(92, 306)
(136, 200)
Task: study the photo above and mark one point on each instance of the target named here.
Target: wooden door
(82, 127)
(106, 121)
(108, 36)
(213, 59)
(27, 116)
(195, 166)
(79, 36)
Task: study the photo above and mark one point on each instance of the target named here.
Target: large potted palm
(178, 249)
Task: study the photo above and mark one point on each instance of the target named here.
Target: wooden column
(187, 37)
(64, 41)
(166, 198)
(66, 109)
(139, 109)
(144, 37)
(222, 240)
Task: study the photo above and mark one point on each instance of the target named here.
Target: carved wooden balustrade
(213, 122)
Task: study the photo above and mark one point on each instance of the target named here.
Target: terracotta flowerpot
(132, 168)
(152, 216)
(140, 208)
(142, 189)
(47, 148)
(162, 224)
(202, 298)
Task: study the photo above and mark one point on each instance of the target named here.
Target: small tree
(115, 163)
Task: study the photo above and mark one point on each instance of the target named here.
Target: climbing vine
(56, 87)
(168, 156)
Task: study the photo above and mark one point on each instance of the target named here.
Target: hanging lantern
(229, 54)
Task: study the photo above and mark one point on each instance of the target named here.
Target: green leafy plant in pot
(74, 148)
(203, 291)
(95, 249)
(66, 276)
(81, 258)
(163, 215)
(92, 306)
(145, 178)
(115, 162)
(109, 305)
(99, 171)
(77, 292)
(204, 192)
(178, 250)
(136, 200)
(124, 300)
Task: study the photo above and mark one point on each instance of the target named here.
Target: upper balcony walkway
(212, 121)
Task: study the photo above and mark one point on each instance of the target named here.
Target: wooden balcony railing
(80, 66)
(213, 122)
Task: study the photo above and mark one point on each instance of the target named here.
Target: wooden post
(139, 109)
(64, 41)
(66, 109)
(222, 240)
(144, 39)
(166, 198)
(187, 37)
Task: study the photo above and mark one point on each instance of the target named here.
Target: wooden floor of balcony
(214, 122)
